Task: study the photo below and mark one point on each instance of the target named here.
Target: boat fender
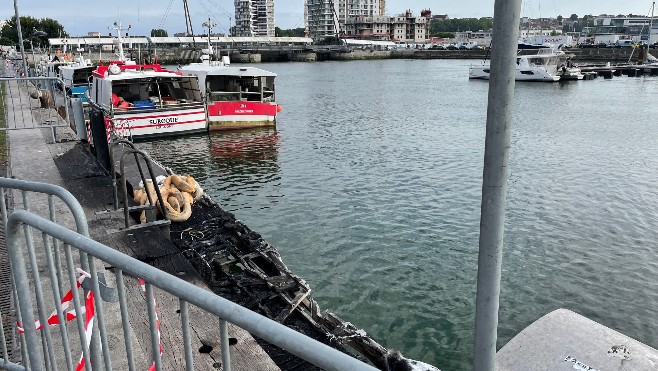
(278, 108)
(114, 69)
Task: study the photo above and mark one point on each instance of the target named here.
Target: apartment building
(403, 28)
(329, 17)
(254, 18)
(634, 26)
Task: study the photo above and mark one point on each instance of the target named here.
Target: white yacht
(547, 65)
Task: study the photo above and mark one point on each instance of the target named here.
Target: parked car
(585, 45)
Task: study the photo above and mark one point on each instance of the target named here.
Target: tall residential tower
(254, 18)
(326, 18)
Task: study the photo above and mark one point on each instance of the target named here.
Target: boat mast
(494, 180)
(210, 24)
(188, 22)
(646, 56)
(122, 56)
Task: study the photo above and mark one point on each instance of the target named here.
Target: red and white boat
(236, 97)
(145, 100)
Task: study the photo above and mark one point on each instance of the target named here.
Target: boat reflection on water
(244, 163)
(255, 145)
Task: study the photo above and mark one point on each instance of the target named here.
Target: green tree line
(36, 30)
(294, 32)
(438, 26)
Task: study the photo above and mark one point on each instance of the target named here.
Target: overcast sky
(82, 16)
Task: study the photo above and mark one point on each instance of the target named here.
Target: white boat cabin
(236, 97)
(147, 100)
(233, 83)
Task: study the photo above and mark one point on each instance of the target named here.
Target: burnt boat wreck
(239, 265)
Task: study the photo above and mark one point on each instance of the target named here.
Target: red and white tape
(89, 312)
(90, 138)
(157, 320)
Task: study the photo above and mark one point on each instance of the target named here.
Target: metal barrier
(187, 293)
(52, 192)
(24, 112)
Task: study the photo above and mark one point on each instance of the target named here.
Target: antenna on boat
(117, 27)
(210, 24)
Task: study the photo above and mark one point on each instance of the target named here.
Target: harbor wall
(176, 55)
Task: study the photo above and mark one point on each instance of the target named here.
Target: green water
(370, 189)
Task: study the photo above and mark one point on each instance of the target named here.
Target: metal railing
(149, 209)
(52, 192)
(187, 293)
(41, 112)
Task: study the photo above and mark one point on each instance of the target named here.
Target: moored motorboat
(236, 97)
(145, 100)
(76, 77)
(543, 66)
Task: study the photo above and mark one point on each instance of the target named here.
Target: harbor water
(370, 190)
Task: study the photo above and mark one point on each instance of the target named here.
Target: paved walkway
(66, 163)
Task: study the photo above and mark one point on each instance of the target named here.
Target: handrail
(309, 349)
(50, 189)
(153, 180)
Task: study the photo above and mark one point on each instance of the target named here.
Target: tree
(30, 28)
(158, 32)
(559, 19)
(293, 32)
(444, 35)
(574, 17)
(460, 24)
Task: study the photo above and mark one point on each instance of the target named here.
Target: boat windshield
(155, 93)
(81, 76)
(240, 88)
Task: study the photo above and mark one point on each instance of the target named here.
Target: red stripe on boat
(241, 108)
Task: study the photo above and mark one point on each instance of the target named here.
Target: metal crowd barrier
(30, 258)
(25, 112)
(187, 293)
(52, 192)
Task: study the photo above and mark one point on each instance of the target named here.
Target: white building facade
(322, 18)
(403, 28)
(329, 17)
(254, 18)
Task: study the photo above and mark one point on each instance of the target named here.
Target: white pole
(646, 57)
(494, 180)
(20, 37)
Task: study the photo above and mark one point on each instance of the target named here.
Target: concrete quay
(68, 163)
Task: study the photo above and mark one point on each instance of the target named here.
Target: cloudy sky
(82, 16)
